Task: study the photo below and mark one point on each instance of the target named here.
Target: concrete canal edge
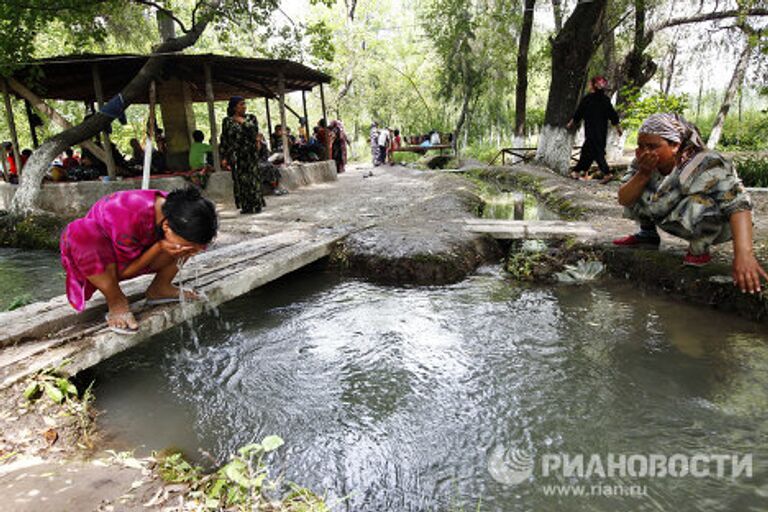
(661, 271)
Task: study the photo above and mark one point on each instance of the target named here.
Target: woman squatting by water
(676, 184)
(130, 233)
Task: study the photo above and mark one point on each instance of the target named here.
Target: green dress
(238, 147)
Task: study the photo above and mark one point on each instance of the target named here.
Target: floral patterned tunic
(238, 147)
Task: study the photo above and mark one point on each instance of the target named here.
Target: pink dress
(117, 229)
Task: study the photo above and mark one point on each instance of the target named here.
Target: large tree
(638, 66)
(521, 89)
(572, 50)
(29, 17)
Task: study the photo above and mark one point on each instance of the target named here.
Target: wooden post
(306, 117)
(4, 162)
(54, 116)
(12, 127)
(322, 102)
(212, 117)
(268, 138)
(286, 148)
(150, 137)
(28, 109)
(107, 140)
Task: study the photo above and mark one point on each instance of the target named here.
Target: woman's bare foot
(168, 292)
(120, 317)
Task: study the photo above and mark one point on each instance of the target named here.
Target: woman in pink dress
(130, 233)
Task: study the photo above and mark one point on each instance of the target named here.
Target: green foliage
(522, 265)
(749, 134)
(321, 41)
(475, 45)
(403, 157)
(22, 20)
(54, 384)
(482, 151)
(33, 232)
(639, 108)
(753, 171)
(238, 485)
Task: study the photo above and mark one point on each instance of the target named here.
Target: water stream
(398, 398)
(28, 276)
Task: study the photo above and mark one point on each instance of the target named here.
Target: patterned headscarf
(674, 128)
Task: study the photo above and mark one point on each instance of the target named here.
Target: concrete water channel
(395, 397)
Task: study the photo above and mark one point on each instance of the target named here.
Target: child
(676, 184)
(130, 233)
(198, 151)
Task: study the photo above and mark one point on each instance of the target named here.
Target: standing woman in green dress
(238, 150)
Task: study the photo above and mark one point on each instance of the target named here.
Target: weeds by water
(53, 384)
(20, 301)
(241, 484)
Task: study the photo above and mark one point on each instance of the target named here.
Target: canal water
(27, 276)
(514, 206)
(455, 397)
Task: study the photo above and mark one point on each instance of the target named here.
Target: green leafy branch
(239, 484)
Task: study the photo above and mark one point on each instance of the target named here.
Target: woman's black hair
(233, 102)
(190, 215)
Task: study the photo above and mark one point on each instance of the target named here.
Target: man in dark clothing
(596, 110)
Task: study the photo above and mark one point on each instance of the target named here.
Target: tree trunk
(609, 54)
(463, 118)
(25, 200)
(556, 9)
(637, 68)
(572, 50)
(522, 68)
(670, 72)
(736, 79)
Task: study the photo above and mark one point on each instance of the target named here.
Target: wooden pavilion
(186, 78)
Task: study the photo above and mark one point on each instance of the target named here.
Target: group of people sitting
(385, 142)
(324, 143)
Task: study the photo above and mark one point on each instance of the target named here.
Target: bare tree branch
(169, 13)
(710, 16)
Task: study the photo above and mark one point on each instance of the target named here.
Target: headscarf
(599, 82)
(233, 101)
(675, 128)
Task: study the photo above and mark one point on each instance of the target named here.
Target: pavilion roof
(71, 77)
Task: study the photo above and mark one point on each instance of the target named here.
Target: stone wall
(74, 199)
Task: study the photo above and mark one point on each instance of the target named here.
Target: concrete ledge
(663, 271)
(74, 199)
(301, 174)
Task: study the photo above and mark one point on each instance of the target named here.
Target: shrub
(753, 171)
(640, 108)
